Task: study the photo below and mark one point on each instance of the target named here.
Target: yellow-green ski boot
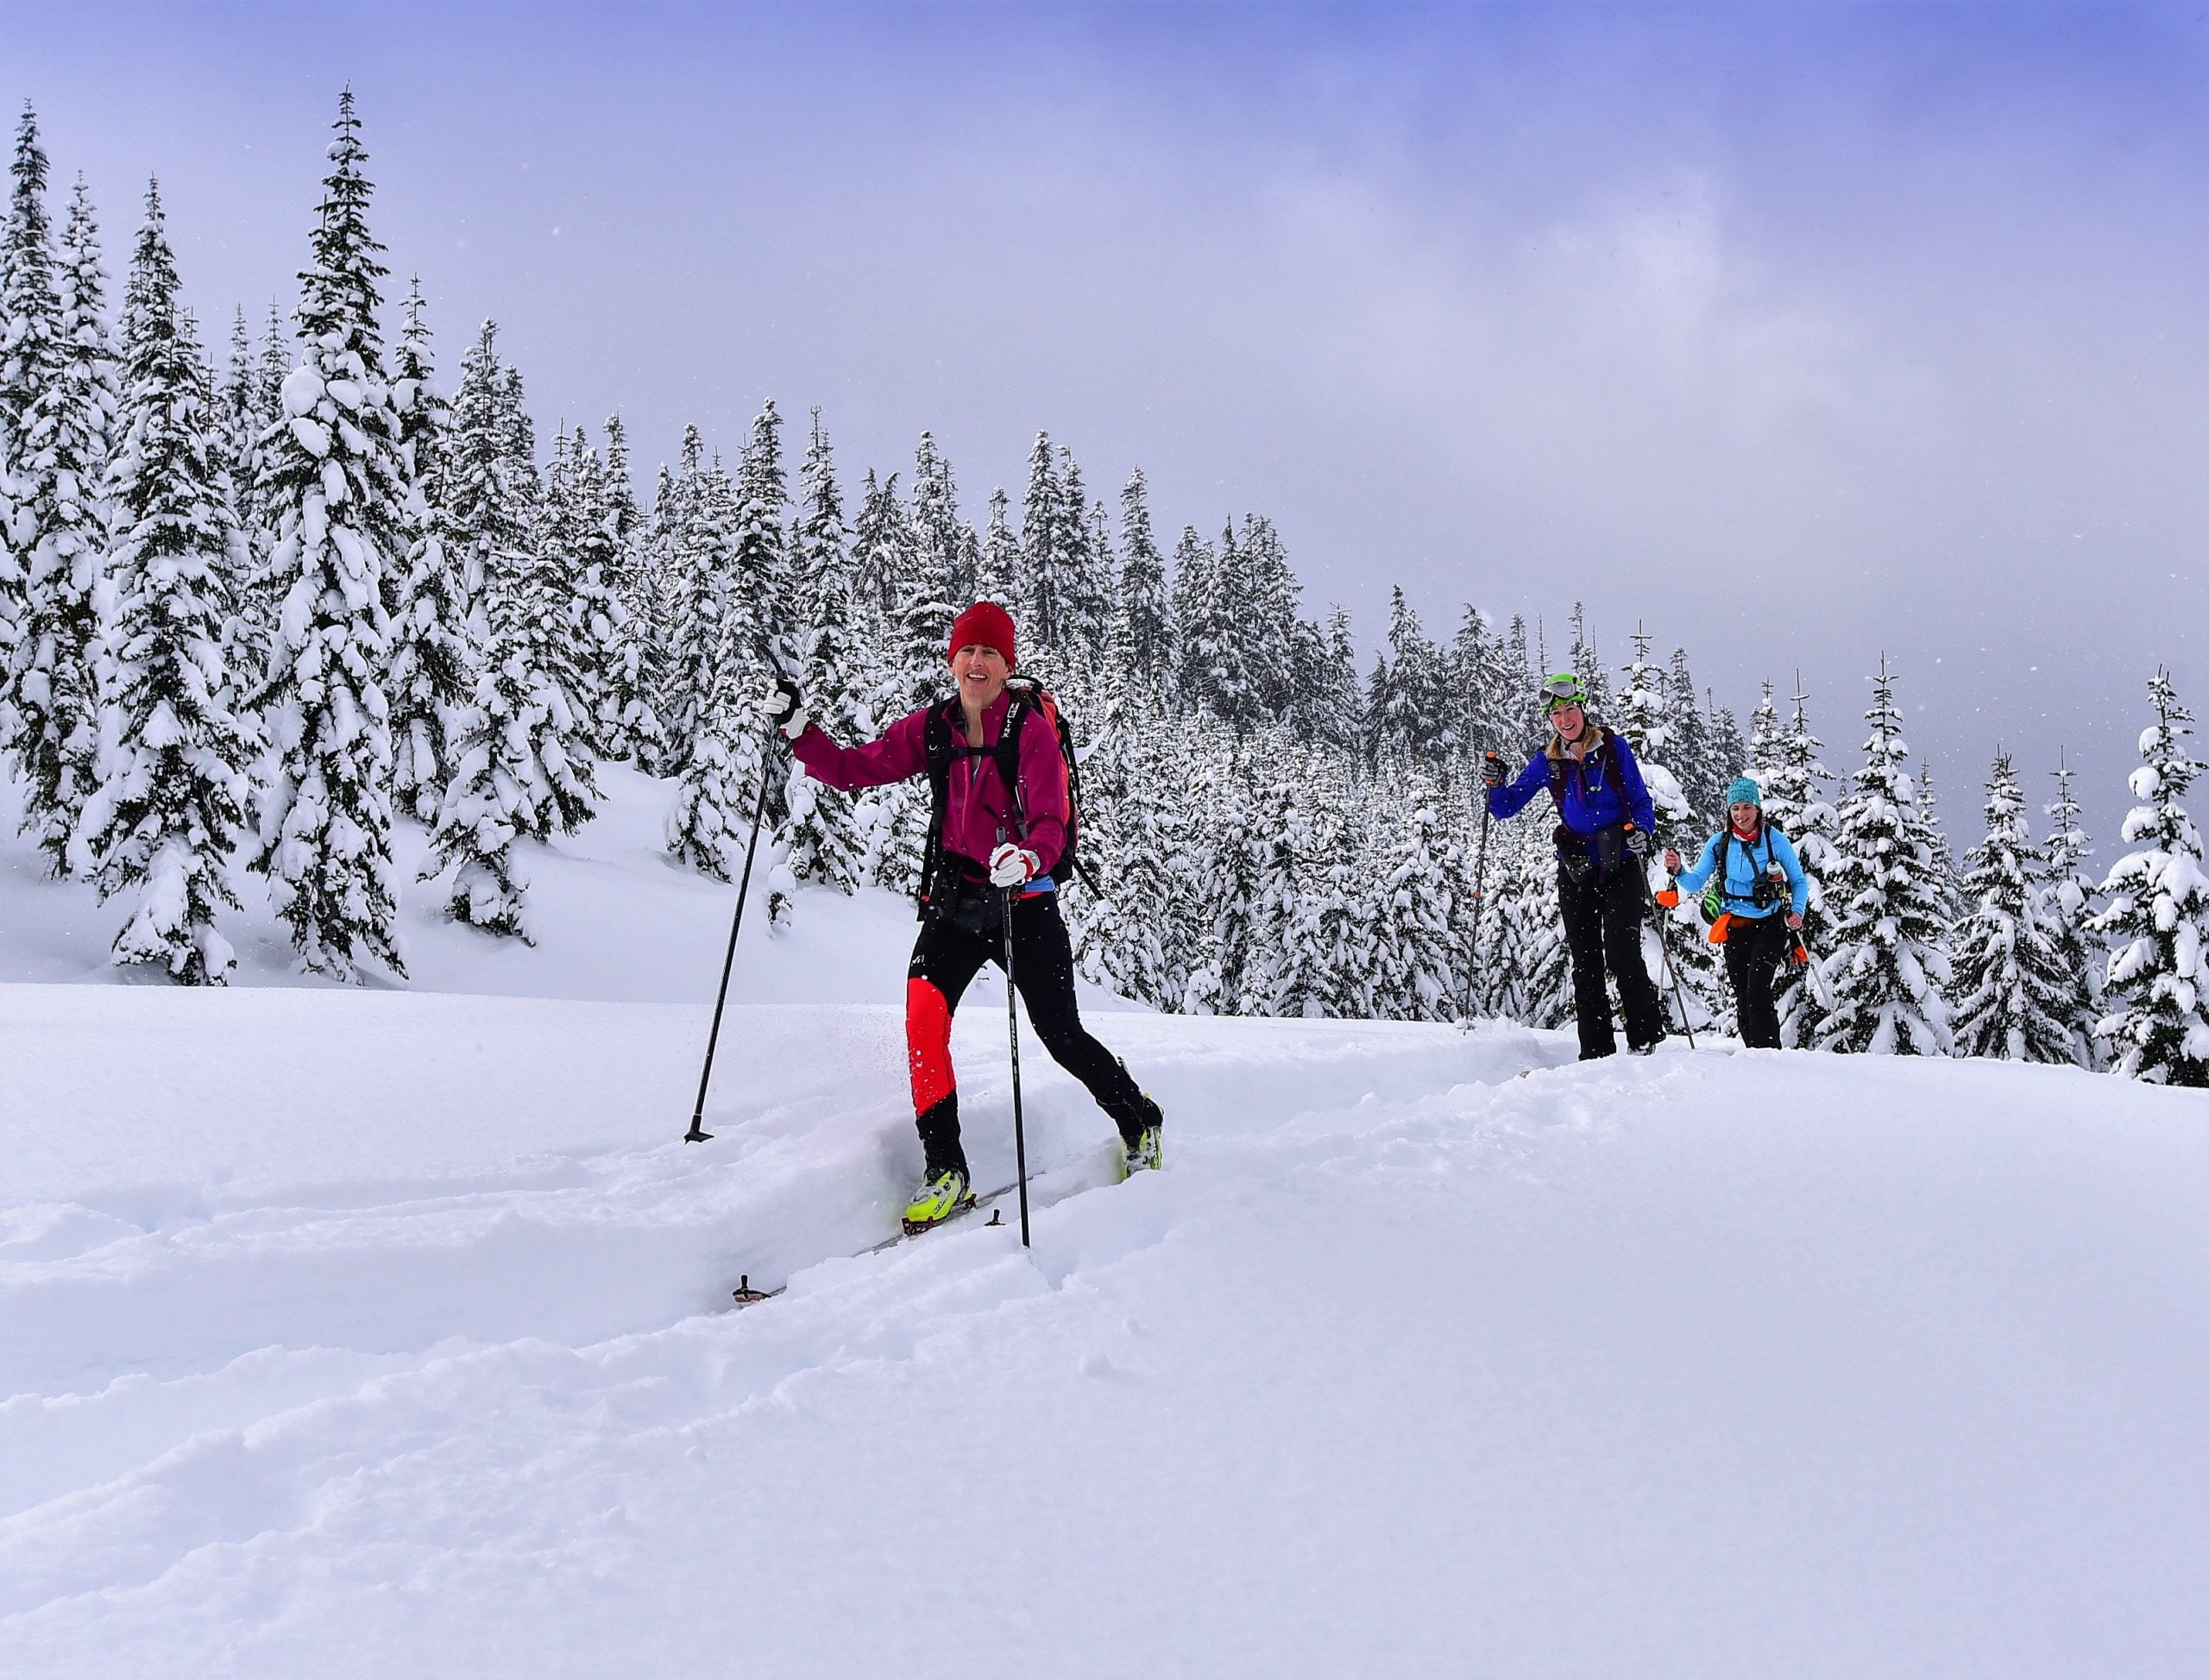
(940, 1195)
(1146, 1154)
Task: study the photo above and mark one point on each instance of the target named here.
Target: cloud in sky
(1799, 332)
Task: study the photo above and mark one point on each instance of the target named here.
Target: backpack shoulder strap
(1007, 753)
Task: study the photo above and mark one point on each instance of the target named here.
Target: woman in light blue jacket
(1759, 874)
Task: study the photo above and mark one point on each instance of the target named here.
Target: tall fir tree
(436, 651)
(2157, 918)
(997, 572)
(1042, 609)
(175, 780)
(1890, 965)
(691, 519)
(336, 489)
(2007, 998)
(65, 437)
(935, 522)
(628, 724)
(30, 366)
(718, 789)
(2066, 912)
(1795, 803)
(1144, 626)
(822, 841)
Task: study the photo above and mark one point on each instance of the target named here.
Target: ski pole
(1480, 903)
(698, 1133)
(1012, 1026)
(1664, 957)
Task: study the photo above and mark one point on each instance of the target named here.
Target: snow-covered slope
(376, 1333)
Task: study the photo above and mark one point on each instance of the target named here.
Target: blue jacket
(1745, 861)
(1598, 792)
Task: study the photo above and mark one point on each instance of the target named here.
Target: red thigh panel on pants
(928, 1044)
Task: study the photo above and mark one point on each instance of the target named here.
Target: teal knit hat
(1742, 791)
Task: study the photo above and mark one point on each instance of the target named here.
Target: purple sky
(1798, 332)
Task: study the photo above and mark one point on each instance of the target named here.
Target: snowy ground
(363, 1333)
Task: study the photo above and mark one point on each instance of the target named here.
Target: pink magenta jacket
(977, 806)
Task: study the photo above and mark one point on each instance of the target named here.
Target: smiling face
(981, 672)
(1569, 721)
(1745, 817)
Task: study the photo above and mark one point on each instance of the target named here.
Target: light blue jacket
(1745, 861)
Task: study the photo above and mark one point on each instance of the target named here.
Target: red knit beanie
(984, 624)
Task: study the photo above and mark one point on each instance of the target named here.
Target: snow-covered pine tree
(1085, 605)
(692, 527)
(175, 770)
(717, 791)
(1220, 639)
(1220, 878)
(30, 365)
(998, 571)
(822, 842)
(2067, 913)
(1042, 607)
(334, 485)
(1334, 710)
(1947, 882)
(1765, 741)
(1287, 973)
(1795, 803)
(935, 522)
(1194, 588)
(1889, 966)
(882, 540)
(1700, 759)
(241, 417)
(628, 723)
(434, 650)
(1124, 944)
(1417, 955)
(64, 440)
(1401, 702)
(504, 787)
(582, 558)
(1144, 622)
(2006, 996)
(2157, 918)
(910, 672)
(762, 569)
(1588, 665)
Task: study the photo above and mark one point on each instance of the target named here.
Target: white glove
(785, 703)
(1013, 865)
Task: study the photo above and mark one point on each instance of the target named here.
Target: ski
(745, 1295)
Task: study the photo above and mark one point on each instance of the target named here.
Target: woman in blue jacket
(1604, 822)
(1759, 873)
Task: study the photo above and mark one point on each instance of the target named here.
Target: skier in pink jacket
(989, 838)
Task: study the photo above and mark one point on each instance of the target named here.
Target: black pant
(1603, 913)
(949, 953)
(1754, 945)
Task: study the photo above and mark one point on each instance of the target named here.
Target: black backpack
(939, 877)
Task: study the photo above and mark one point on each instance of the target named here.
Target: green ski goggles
(1561, 690)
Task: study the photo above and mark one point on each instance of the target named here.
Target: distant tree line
(251, 619)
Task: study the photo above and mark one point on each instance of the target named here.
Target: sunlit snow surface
(377, 1333)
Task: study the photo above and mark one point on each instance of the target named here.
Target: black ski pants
(1754, 948)
(949, 953)
(1604, 910)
